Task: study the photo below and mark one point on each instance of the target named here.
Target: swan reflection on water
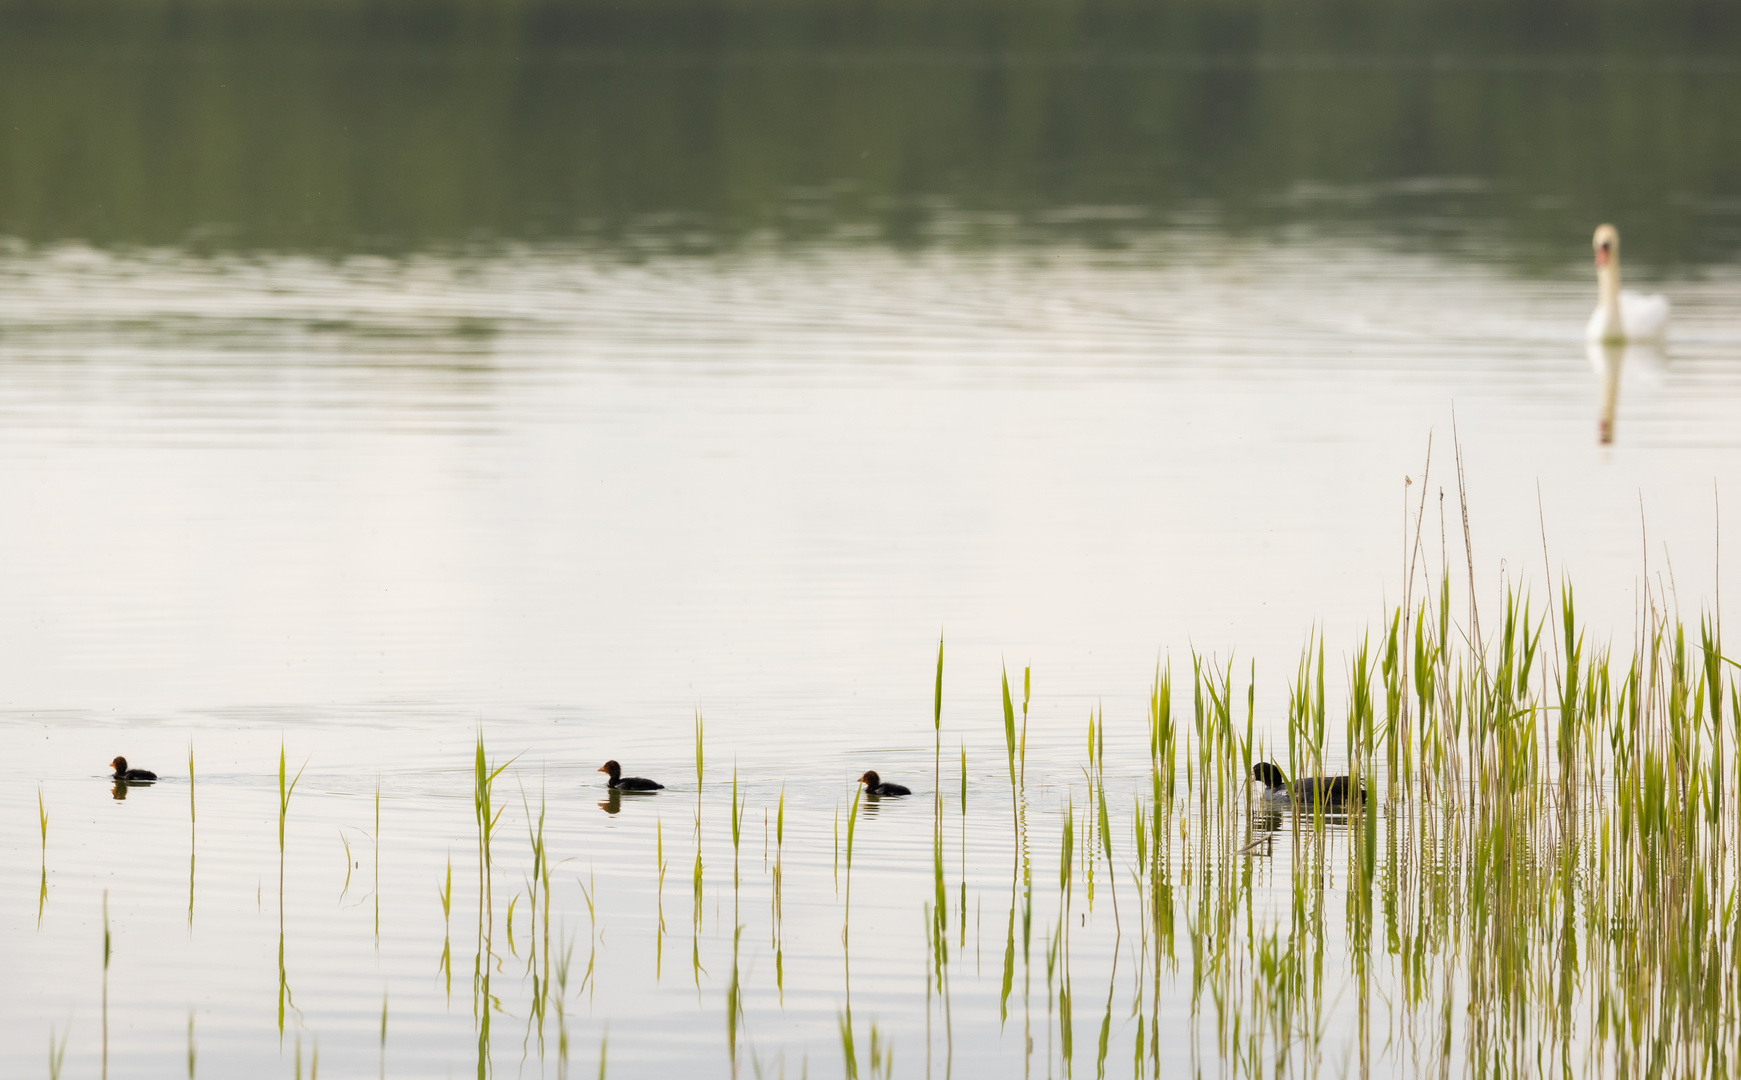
(1645, 362)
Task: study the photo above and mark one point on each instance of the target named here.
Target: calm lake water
(367, 383)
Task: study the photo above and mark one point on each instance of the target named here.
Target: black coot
(1334, 792)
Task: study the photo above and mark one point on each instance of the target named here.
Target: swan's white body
(1622, 315)
(1633, 317)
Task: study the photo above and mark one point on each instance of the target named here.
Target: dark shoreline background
(341, 127)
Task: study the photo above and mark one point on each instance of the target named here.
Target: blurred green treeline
(389, 125)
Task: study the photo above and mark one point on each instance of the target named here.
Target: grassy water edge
(1539, 883)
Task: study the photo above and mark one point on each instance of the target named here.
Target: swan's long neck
(1608, 294)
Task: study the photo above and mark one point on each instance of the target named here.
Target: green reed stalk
(108, 951)
(1087, 855)
(56, 1054)
(1009, 961)
(1052, 937)
(1066, 1024)
(737, 810)
(659, 936)
(192, 1050)
(1570, 718)
(931, 967)
(1105, 827)
(697, 880)
(1248, 741)
(777, 923)
(940, 901)
(487, 816)
(1061, 943)
(1390, 666)
(563, 964)
(847, 1050)
(1106, 1020)
(851, 829)
(698, 768)
(845, 1018)
(882, 1054)
(1009, 734)
(285, 791)
(587, 892)
(1162, 734)
(1027, 868)
(962, 919)
(446, 894)
(734, 1001)
(938, 934)
(42, 822)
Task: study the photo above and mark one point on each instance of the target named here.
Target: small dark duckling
(136, 776)
(874, 785)
(619, 782)
(1334, 792)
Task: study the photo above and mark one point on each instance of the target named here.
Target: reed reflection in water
(1459, 914)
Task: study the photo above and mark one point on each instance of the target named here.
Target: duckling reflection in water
(613, 803)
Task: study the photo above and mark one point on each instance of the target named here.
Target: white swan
(1621, 316)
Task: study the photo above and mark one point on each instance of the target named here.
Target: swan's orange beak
(1602, 256)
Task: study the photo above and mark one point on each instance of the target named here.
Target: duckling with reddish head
(876, 785)
(620, 782)
(137, 776)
